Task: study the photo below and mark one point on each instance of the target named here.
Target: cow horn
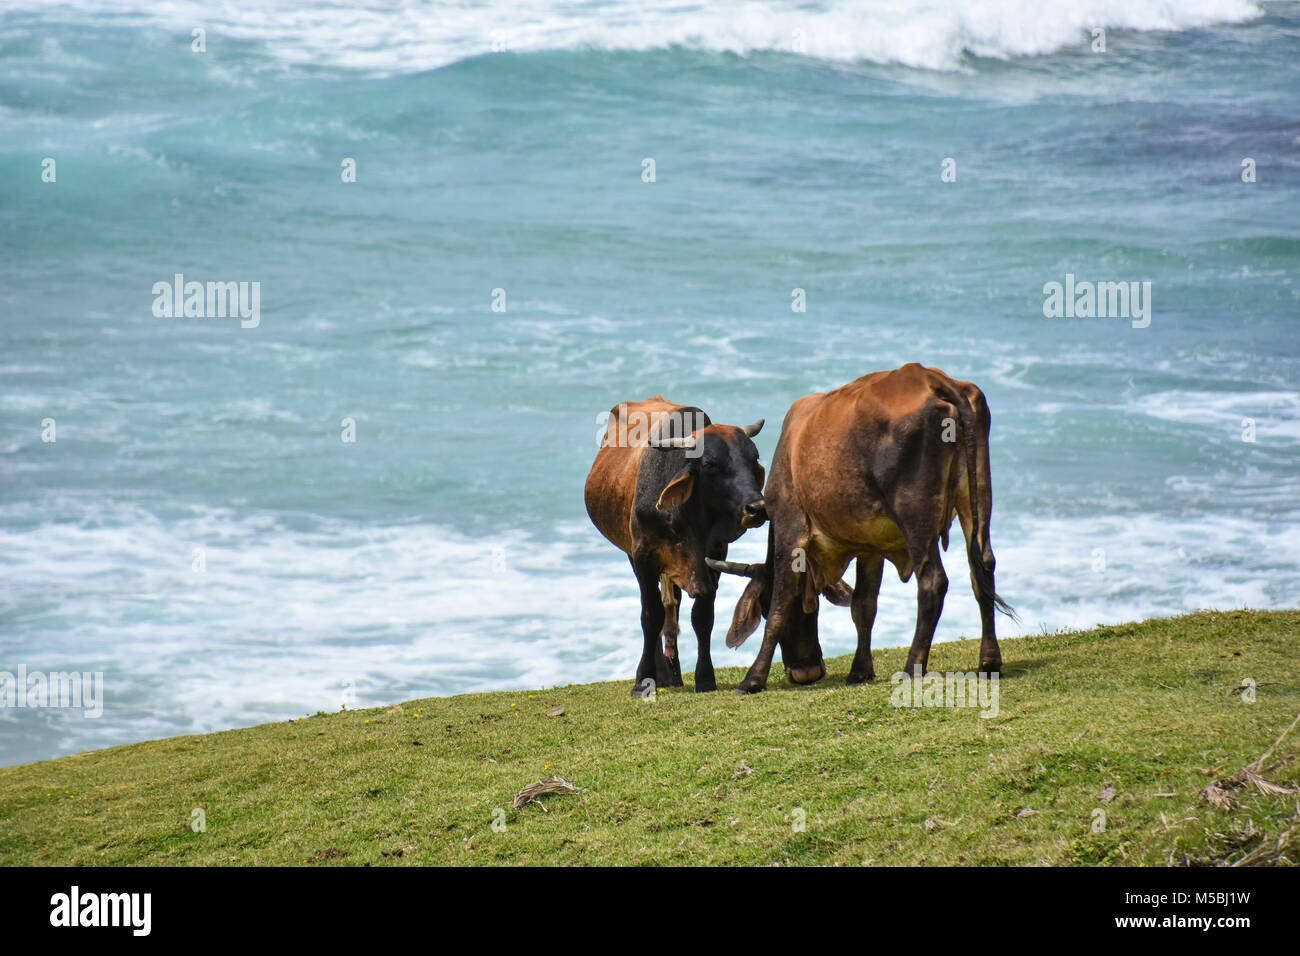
(683, 441)
(734, 567)
(754, 429)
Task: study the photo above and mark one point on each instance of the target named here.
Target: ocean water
(502, 147)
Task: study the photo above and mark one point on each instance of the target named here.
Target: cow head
(714, 487)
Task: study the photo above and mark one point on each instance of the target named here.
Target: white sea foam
(1275, 415)
(406, 37)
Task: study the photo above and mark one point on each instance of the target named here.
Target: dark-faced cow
(671, 489)
(875, 470)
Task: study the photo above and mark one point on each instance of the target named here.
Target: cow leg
(990, 652)
(866, 590)
(702, 622)
(674, 661)
(653, 665)
(807, 671)
(784, 613)
(931, 586)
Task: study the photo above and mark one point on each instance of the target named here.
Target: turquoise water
(447, 548)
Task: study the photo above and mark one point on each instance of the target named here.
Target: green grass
(1152, 710)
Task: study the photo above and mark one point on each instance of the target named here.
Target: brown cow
(875, 470)
(671, 489)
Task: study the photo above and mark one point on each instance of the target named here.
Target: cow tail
(975, 545)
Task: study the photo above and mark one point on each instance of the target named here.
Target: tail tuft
(984, 580)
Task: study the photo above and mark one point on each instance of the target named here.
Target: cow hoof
(746, 688)
(645, 687)
(992, 667)
(705, 686)
(860, 678)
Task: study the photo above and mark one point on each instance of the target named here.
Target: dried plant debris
(542, 787)
(1219, 793)
(1268, 853)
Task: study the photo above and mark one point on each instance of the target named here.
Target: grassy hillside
(1132, 721)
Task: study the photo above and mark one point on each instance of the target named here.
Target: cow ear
(749, 612)
(678, 490)
(762, 476)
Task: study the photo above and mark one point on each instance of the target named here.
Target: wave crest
(929, 34)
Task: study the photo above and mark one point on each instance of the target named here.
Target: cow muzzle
(754, 513)
(807, 673)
